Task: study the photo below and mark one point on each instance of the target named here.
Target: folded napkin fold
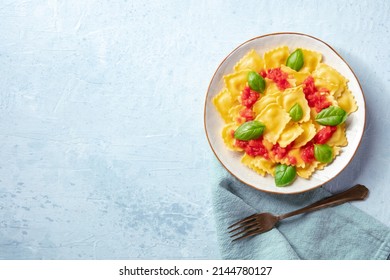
(341, 232)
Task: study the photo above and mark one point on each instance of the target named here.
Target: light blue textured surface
(103, 153)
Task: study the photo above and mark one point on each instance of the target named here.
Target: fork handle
(358, 192)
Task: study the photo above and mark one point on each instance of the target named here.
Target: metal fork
(263, 222)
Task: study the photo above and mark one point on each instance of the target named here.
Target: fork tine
(243, 220)
(251, 229)
(246, 224)
(249, 234)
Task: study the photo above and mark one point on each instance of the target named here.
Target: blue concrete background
(103, 152)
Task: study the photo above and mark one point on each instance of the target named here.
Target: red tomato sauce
(240, 143)
(292, 160)
(257, 148)
(324, 134)
(279, 77)
(249, 97)
(315, 98)
(307, 152)
(281, 152)
(253, 147)
(247, 114)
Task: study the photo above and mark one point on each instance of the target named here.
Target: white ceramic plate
(214, 123)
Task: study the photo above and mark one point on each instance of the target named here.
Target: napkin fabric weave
(340, 232)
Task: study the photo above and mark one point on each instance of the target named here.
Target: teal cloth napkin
(340, 232)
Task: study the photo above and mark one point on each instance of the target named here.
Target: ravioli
(286, 139)
(228, 138)
(296, 77)
(338, 138)
(251, 60)
(234, 113)
(224, 102)
(307, 170)
(292, 96)
(291, 132)
(263, 102)
(327, 77)
(309, 131)
(250, 162)
(347, 102)
(236, 82)
(276, 57)
(311, 60)
(275, 120)
(259, 164)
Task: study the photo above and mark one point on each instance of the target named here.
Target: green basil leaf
(256, 82)
(295, 60)
(331, 116)
(249, 130)
(323, 153)
(296, 112)
(284, 174)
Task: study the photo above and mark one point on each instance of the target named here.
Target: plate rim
(273, 34)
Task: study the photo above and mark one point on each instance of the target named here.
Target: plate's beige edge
(208, 90)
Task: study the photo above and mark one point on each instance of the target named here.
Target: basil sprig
(296, 112)
(284, 174)
(323, 153)
(249, 130)
(295, 60)
(332, 116)
(255, 81)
